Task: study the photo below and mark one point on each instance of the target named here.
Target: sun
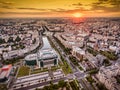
(77, 14)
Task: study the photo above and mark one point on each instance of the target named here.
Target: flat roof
(3, 74)
(31, 57)
(78, 50)
(43, 54)
(46, 54)
(5, 71)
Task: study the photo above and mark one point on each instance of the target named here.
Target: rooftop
(47, 53)
(43, 54)
(78, 50)
(5, 71)
(31, 57)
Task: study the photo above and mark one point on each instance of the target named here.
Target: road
(76, 72)
(41, 84)
(83, 84)
(63, 54)
(79, 75)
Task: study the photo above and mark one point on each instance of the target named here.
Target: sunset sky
(59, 8)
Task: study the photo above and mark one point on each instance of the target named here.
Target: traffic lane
(41, 84)
(64, 56)
(83, 85)
(78, 75)
(88, 84)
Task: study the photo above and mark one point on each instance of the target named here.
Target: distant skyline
(59, 8)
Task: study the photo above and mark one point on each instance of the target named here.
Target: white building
(107, 75)
(78, 52)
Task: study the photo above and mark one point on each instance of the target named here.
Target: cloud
(30, 8)
(6, 3)
(29, 13)
(98, 3)
(114, 3)
(81, 10)
(105, 9)
(49, 10)
(6, 7)
(98, 6)
(58, 10)
(106, 5)
(78, 4)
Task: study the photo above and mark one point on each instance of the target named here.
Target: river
(46, 43)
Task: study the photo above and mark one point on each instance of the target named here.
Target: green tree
(34, 41)
(10, 39)
(3, 87)
(61, 83)
(101, 86)
(2, 41)
(18, 39)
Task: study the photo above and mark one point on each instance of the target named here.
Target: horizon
(55, 17)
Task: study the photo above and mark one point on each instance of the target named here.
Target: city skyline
(61, 8)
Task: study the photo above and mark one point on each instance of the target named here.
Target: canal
(46, 43)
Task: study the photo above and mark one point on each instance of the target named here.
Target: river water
(46, 43)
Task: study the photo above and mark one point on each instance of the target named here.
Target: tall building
(44, 58)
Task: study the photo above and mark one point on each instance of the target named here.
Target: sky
(59, 8)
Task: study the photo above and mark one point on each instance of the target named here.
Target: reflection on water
(46, 43)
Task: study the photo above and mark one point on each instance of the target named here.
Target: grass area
(92, 51)
(35, 71)
(93, 71)
(76, 81)
(90, 79)
(66, 50)
(23, 71)
(109, 55)
(54, 68)
(65, 67)
(74, 85)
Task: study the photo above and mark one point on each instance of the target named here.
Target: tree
(10, 39)
(22, 46)
(3, 87)
(61, 83)
(101, 86)
(46, 88)
(17, 39)
(34, 41)
(2, 41)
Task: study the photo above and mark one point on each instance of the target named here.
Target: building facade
(43, 58)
